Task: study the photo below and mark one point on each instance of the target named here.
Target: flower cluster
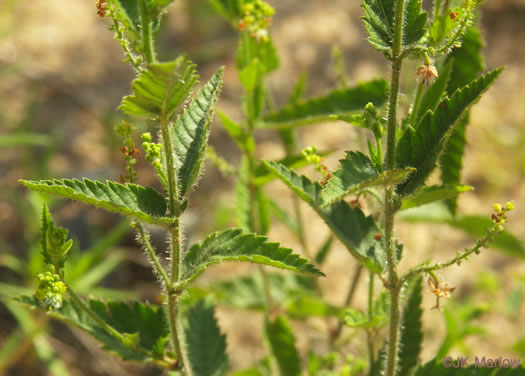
(311, 156)
(257, 18)
(50, 289)
(498, 217)
(151, 149)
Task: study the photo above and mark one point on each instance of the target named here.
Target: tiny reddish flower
(427, 74)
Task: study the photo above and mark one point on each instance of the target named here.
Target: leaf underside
(142, 203)
(235, 245)
(420, 148)
(190, 133)
(206, 344)
(357, 172)
(159, 91)
(338, 102)
(355, 230)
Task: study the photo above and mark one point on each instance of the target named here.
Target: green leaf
(337, 102)
(282, 342)
(434, 94)
(148, 320)
(321, 254)
(414, 22)
(234, 245)
(237, 133)
(468, 63)
(355, 318)
(379, 21)
(263, 212)
(357, 172)
(159, 91)
(142, 203)
(206, 344)
(411, 334)
(284, 217)
(243, 208)
(229, 9)
(19, 139)
(263, 52)
(356, 231)
(420, 148)
(190, 133)
(305, 306)
(433, 193)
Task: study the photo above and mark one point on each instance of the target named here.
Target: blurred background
(61, 80)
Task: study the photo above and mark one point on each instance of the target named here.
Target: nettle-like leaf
(190, 133)
(142, 203)
(337, 102)
(434, 95)
(282, 342)
(251, 49)
(235, 245)
(147, 320)
(206, 345)
(355, 230)
(420, 148)
(357, 172)
(159, 91)
(379, 21)
(433, 193)
(411, 336)
(468, 63)
(130, 12)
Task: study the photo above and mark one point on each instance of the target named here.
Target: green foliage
(234, 245)
(468, 63)
(206, 344)
(356, 231)
(190, 133)
(411, 333)
(132, 200)
(148, 320)
(337, 102)
(357, 172)
(433, 193)
(54, 241)
(415, 22)
(420, 148)
(159, 91)
(282, 343)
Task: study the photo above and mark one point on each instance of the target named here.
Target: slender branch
(417, 103)
(145, 240)
(130, 56)
(389, 190)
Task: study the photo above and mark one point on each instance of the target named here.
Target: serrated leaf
(142, 203)
(337, 102)
(420, 148)
(206, 345)
(414, 22)
(159, 91)
(190, 133)
(234, 245)
(379, 21)
(468, 63)
(434, 94)
(411, 336)
(148, 320)
(357, 172)
(356, 231)
(282, 342)
(433, 193)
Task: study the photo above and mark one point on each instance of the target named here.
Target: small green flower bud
(497, 208)
(146, 137)
(509, 206)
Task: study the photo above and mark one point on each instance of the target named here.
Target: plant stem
(175, 242)
(147, 40)
(144, 239)
(393, 284)
(370, 336)
(417, 103)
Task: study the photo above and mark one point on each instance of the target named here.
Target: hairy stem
(147, 40)
(393, 279)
